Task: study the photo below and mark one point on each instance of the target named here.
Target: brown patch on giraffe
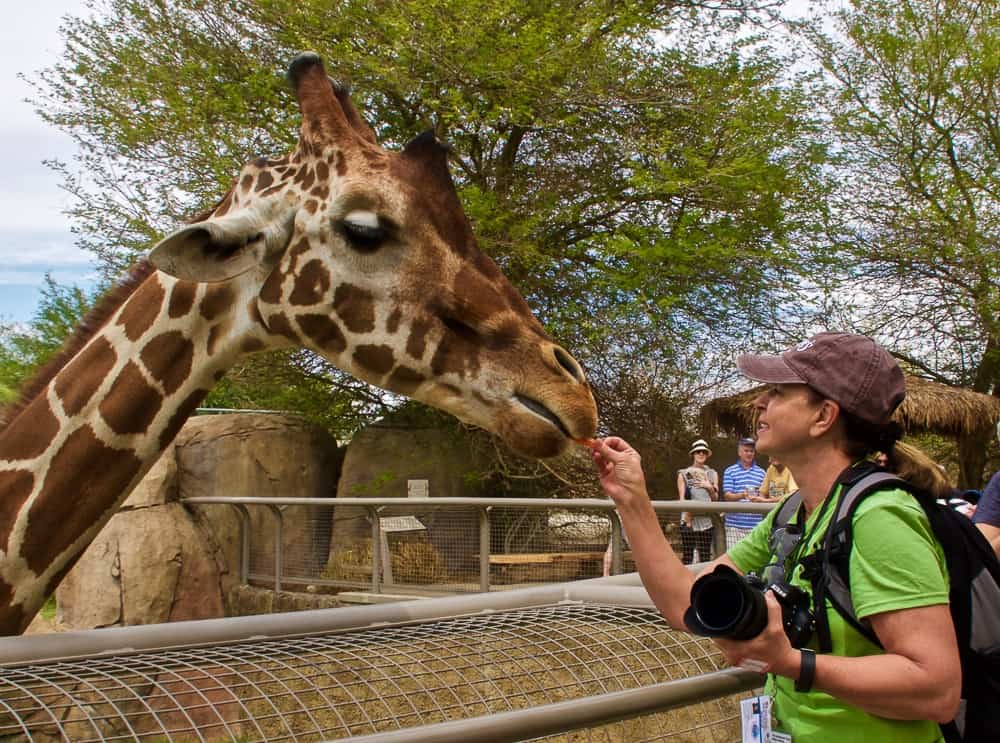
(224, 206)
(311, 206)
(416, 344)
(323, 331)
(273, 190)
(181, 414)
(356, 307)
(322, 172)
(132, 403)
(168, 359)
(76, 384)
(308, 181)
(218, 298)
(271, 291)
(375, 358)
(340, 163)
(12, 620)
(479, 298)
(455, 354)
(181, 299)
(246, 183)
(405, 380)
(392, 322)
(280, 325)
(250, 345)
(264, 180)
(95, 474)
(16, 486)
(300, 174)
(142, 309)
(321, 192)
(85, 331)
(311, 285)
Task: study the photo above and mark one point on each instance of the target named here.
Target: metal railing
(477, 545)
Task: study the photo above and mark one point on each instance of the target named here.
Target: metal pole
(719, 545)
(484, 549)
(244, 515)
(617, 544)
(376, 549)
(279, 538)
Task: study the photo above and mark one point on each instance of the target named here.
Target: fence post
(376, 548)
(279, 538)
(617, 543)
(244, 515)
(719, 542)
(484, 548)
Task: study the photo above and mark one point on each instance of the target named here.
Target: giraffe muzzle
(543, 412)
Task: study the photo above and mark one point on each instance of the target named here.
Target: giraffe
(360, 254)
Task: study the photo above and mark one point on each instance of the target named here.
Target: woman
(698, 482)
(828, 404)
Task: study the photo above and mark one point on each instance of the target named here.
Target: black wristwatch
(807, 670)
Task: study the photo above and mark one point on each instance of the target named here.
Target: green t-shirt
(896, 563)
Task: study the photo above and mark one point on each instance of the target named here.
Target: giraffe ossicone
(363, 255)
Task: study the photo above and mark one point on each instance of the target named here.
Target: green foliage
(24, 350)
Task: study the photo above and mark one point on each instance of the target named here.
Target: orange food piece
(589, 443)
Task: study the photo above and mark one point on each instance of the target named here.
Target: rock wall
(159, 560)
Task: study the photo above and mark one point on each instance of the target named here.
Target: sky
(35, 236)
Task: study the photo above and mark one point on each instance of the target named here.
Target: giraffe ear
(222, 248)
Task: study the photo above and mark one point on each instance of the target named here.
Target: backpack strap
(786, 508)
(834, 581)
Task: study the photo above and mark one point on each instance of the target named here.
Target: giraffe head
(366, 257)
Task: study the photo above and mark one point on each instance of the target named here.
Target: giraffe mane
(93, 321)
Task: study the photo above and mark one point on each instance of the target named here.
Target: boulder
(161, 560)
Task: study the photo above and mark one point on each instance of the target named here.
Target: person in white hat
(697, 482)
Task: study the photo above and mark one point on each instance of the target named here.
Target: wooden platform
(546, 558)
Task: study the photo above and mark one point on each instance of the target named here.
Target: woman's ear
(827, 414)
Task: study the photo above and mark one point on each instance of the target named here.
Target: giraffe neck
(79, 446)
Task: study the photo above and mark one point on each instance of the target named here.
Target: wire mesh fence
(447, 545)
(335, 685)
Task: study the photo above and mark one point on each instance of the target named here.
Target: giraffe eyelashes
(364, 231)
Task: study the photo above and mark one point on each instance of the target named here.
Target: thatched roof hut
(929, 407)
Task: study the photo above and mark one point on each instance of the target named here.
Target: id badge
(755, 717)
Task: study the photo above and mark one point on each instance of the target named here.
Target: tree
(627, 163)
(917, 85)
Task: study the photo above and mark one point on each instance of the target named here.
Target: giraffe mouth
(543, 412)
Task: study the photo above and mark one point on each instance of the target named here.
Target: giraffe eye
(363, 230)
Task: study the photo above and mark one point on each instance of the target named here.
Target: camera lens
(723, 604)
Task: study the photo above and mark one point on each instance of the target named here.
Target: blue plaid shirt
(736, 479)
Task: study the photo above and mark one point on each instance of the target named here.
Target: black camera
(727, 604)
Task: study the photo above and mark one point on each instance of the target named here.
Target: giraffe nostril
(568, 363)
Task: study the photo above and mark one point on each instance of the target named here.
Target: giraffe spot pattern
(79, 380)
(225, 205)
(181, 414)
(217, 299)
(392, 322)
(168, 359)
(16, 486)
(416, 343)
(132, 403)
(355, 307)
(479, 298)
(280, 324)
(142, 308)
(250, 345)
(12, 621)
(376, 358)
(35, 438)
(273, 190)
(311, 206)
(246, 183)
(340, 164)
(311, 285)
(264, 180)
(324, 332)
(90, 472)
(181, 299)
(322, 171)
(455, 354)
(405, 380)
(271, 291)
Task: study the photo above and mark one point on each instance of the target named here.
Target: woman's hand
(768, 652)
(619, 468)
